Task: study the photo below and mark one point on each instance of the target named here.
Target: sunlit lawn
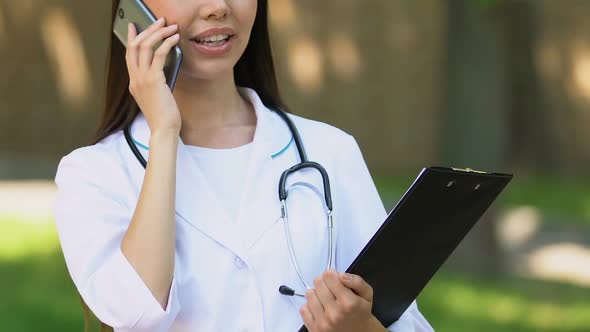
(460, 303)
(37, 294)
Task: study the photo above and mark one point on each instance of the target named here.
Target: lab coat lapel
(195, 201)
(198, 205)
(260, 207)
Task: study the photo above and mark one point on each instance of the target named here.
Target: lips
(214, 35)
(214, 38)
(215, 48)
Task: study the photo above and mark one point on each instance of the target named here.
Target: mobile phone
(136, 12)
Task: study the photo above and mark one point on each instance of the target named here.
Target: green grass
(37, 294)
(559, 199)
(21, 239)
(453, 302)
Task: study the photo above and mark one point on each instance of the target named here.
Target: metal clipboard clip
(468, 170)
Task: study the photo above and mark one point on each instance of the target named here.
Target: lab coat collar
(196, 202)
(271, 131)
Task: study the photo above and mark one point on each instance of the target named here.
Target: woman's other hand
(339, 302)
(147, 82)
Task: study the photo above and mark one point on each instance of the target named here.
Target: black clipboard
(421, 232)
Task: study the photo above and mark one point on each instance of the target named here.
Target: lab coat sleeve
(358, 213)
(91, 221)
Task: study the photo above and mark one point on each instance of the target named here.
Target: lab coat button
(240, 264)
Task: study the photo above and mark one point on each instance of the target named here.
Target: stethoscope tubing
(303, 164)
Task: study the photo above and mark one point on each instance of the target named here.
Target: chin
(207, 70)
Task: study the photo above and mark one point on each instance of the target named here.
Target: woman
(195, 241)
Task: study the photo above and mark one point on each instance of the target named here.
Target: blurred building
(377, 69)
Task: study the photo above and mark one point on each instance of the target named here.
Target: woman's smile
(217, 41)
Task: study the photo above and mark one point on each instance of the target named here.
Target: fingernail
(346, 276)
(160, 19)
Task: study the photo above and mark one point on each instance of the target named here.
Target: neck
(211, 110)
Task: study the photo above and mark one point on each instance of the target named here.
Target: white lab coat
(227, 272)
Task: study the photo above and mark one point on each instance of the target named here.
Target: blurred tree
(476, 106)
(495, 117)
(492, 96)
(494, 92)
(529, 121)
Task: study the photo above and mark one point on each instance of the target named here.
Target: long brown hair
(255, 69)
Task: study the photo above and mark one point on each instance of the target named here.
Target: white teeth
(214, 38)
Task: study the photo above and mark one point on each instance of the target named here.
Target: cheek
(172, 10)
(245, 12)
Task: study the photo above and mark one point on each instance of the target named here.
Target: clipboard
(421, 232)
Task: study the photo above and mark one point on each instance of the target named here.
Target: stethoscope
(303, 164)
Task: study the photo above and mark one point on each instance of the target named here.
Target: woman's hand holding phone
(149, 243)
(147, 82)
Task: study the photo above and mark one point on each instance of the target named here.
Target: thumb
(358, 285)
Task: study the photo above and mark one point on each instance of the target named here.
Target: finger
(358, 285)
(325, 296)
(134, 40)
(147, 46)
(336, 286)
(307, 316)
(131, 52)
(148, 31)
(314, 304)
(162, 51)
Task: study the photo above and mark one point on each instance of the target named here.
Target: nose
(214, 9)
